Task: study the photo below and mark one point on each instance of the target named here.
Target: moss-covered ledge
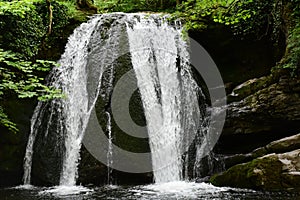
(271, 172)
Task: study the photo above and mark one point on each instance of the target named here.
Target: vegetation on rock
(261, 173)
(270, 172)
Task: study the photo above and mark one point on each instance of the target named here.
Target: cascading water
(73, 114)
(169, 94)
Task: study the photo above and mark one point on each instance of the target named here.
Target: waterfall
(76, 106)
(72, 111)
(169, 93)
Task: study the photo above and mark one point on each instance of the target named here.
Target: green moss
(262, 173)
(291, 60)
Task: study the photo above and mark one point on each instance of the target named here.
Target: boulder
(279, 146)
(264, 110)
(269, 114)
(270, 172)
(249, 87)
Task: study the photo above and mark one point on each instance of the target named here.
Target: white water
(29, 149)
(183, 188)
(110, 150)
(71, 78)
(76, 105)
(169, 96)
(60, 191)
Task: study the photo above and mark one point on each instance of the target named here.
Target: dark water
(176, 190)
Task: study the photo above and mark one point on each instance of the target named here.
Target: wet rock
(268, 114)
(90, 170)
(249, 87)
(270, 172)
(279, 146)
(203, 180)
(232, 160)
(263, 109)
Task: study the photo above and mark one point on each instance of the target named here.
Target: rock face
(92, 171)
(260, 111)
(266, 108)
(270, 172)
(12, 146)
(279, 146)
(272, 167)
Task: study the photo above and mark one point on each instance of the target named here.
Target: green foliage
(59, 21)
(60, 14)
(250, 19)
(292, 57)
(245, 17)
(295, 6)
(23, 28)
(72, 12)
(135, 5)
(5, 121)
(17, 8)
(21, 77)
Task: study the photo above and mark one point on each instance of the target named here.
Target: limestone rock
(270, 110)
(279, 146)
(251, 86)
(283, 145)
(270, 172)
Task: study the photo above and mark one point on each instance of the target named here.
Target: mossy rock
(263, 173)
(272, 172)
(250, 87)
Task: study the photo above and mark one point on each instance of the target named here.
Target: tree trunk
(50, 14)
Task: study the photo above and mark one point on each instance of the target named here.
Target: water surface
(173, 190)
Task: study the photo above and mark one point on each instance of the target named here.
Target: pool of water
(173, 190)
